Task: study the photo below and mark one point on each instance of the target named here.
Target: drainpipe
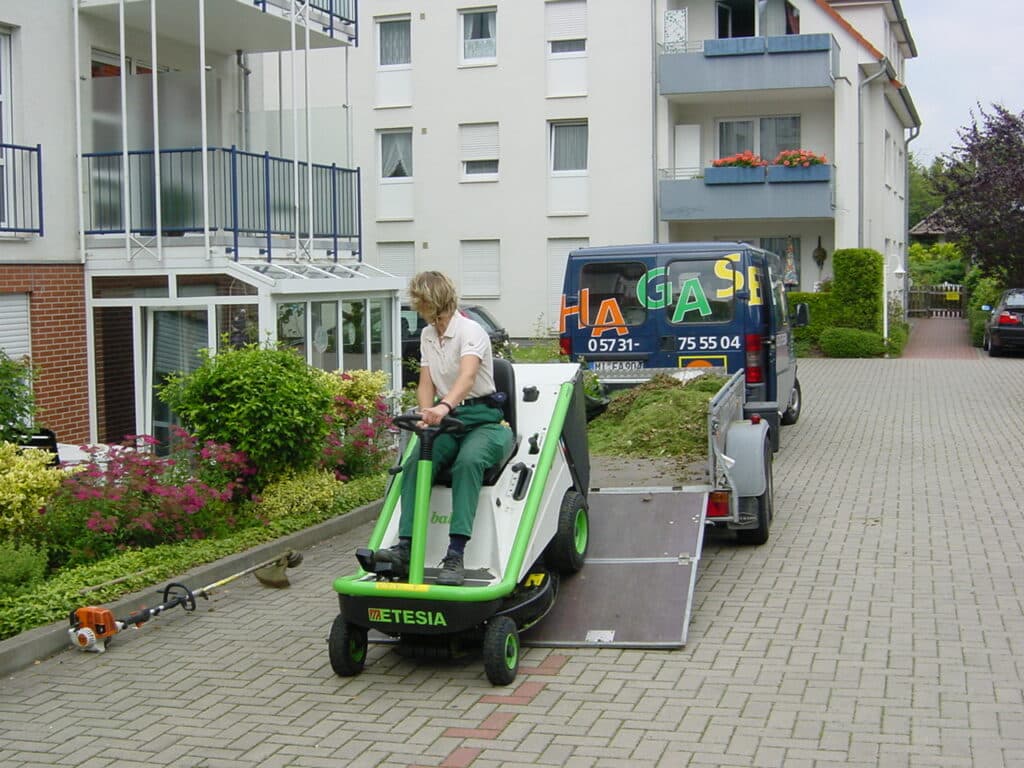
(860, 147)
(654, 120)
(915, 131)
(241, 61)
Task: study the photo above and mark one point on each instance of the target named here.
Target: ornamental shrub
(312, 492)
(857, 289)
(21, 567)
(17, 404)
(27, 479)
(266, 402)
(360, 438)
(819, 306)
(984, 290)
(851, 342)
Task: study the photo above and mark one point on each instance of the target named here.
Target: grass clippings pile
(661, 418)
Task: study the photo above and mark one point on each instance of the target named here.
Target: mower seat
(504, 381)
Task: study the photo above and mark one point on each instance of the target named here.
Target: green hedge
(851, 342)
(857, 289)
(819, 306)
(54, 599)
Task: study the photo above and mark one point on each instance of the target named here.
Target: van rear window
(618, 282)
(699, 291)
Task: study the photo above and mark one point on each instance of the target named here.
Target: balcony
(253, 196)
(768, 193)
(230, 25)
(750, 64)
(21, 190)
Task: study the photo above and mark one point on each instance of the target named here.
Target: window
(394, 44)
(481, 268)
(691, 297)
(479, 36)
(616, 281)
(396, 154)
(478, 144)
(765, 136)
(788, 248)
(569, 147)
(6, 119)
(566, 23)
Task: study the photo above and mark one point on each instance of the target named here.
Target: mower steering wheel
(411, 421)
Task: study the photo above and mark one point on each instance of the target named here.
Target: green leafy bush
(53, 599)
(819, 306)
(360, 439)
(266, 402)
(27, 480)
(851, 342)
(857, 289)
(17, 404)
(310, 492)
(21, 567)
(984, 291)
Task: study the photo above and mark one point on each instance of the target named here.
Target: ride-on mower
(531, 528)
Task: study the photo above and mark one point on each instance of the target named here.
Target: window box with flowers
(796, 165)
(741, 168)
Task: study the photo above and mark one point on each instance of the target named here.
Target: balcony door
(174, 338)
(686, 148)
(6, 121)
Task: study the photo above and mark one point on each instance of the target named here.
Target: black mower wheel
(347, 647)
(568, 548)
(792, 412)
(501, 650)
(765, 507)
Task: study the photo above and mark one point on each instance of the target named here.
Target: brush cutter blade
(274, 574)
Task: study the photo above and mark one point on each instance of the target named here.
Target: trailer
(647, 529)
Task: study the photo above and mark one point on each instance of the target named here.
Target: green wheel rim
(356, 649)
(511, 650)
(582, 530)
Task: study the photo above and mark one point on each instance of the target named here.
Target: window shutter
(14, 325)
(558, 255)
(481, 268)
(566, 19)
(399, 259)
(479, 141)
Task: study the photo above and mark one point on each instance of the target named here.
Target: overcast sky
(967, 52)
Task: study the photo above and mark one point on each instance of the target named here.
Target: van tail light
(755, 373)
(565, 345)
(1008, 318)
(718, 504)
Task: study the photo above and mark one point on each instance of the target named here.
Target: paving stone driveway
(882, 625)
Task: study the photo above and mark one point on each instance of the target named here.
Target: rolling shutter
(14, 325)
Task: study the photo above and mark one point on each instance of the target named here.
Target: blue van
(683, 305)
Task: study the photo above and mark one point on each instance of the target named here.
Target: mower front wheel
(346, 645)
(501, 650)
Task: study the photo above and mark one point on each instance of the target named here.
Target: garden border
(34, 645)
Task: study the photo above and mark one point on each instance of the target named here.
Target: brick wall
(57, 316)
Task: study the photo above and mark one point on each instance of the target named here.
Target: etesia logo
(407, 616)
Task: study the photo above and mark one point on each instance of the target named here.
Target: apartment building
(156, 200)
(497, 135)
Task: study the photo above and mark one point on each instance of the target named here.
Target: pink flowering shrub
(360, 437)
(741, 160)
(799, 158)
(128, 497)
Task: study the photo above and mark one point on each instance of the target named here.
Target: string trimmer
(92, 626)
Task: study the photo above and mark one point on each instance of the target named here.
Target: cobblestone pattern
(882, 625)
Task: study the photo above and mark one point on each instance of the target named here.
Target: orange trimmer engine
(91, 626)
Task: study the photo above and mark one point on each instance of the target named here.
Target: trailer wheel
(347, 647)
(792, 412)
(501, 650)
(765, 506)
(568, 548)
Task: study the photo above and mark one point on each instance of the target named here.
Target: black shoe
(397, 556)
(452, 573)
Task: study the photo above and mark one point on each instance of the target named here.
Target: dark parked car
(1004, 329)
(413, 324)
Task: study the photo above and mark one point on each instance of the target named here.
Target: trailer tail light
(718, 504)
(754, 372)
(565, 345)
(1008, 318)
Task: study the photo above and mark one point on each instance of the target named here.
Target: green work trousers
(469, 454)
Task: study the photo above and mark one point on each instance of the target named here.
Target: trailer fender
(746, 443)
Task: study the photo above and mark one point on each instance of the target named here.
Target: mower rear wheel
(568, 548)
(347, 647)
(501, 650)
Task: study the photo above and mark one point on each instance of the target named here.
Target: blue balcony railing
(250, 195)
(21, 189)
(337, 16)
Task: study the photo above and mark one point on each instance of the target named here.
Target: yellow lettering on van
(691, 299)
(724, 270)
(756, 298)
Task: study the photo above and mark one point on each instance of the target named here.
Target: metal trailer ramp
(636, 586)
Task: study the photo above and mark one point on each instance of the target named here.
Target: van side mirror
(802, 316)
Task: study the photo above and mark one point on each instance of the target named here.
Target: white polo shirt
(441, 356)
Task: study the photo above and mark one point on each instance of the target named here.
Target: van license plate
(617, 365)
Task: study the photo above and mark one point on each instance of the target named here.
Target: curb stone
(34, 645)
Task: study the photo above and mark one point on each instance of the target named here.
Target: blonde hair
(433, 294)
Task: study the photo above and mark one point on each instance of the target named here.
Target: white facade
(476, 94)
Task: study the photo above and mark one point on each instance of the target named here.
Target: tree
(924, 198)
(983, 189)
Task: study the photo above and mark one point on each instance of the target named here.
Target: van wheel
(792, 413)
(568, 549)
(765, 507)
